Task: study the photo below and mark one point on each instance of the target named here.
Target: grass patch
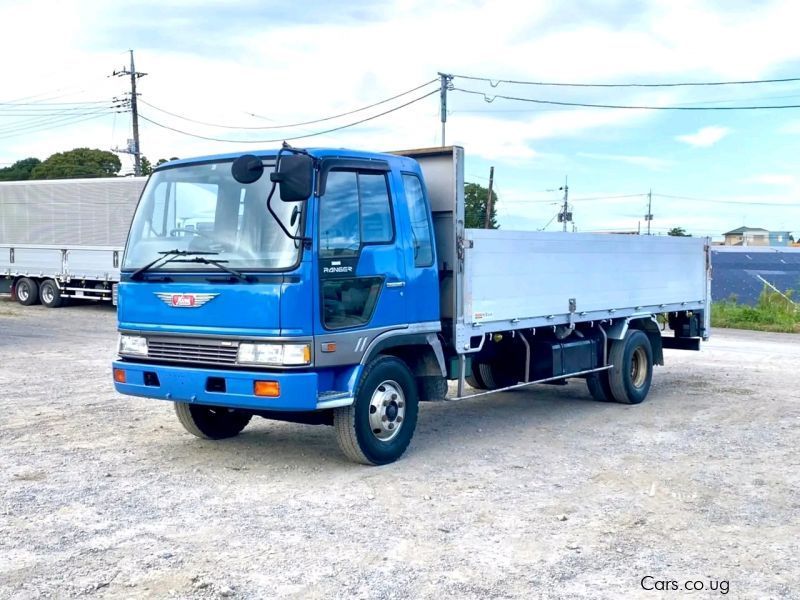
(772, 312)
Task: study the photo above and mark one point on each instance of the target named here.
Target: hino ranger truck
(63, 238)
(340, 287)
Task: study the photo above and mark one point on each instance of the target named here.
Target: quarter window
(420, 221)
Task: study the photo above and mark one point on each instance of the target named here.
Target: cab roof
(264, 153)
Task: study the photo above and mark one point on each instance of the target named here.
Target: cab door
(361, 266)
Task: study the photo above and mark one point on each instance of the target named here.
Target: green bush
(772, 312)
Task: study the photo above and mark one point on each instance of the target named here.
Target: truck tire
(50, 294)
(27, 291)
(495, 375)
(377, 428)
(474, 378)
(211, 422)
(431, 388)
(598, 386)
(629, 379)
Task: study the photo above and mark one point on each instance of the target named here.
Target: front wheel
(632, 371)
(377, 428)
(211, 422)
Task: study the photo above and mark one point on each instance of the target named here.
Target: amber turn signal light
(270, 389)
(119, 375)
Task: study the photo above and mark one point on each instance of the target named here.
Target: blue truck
(341, 287)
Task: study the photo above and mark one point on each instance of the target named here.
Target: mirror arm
(299, 238)
(275, 178)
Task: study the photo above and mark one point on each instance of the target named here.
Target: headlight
(274, 354)
(133, 344)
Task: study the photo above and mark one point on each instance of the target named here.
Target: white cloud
(648, 162)
(705, 137)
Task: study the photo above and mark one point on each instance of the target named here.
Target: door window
(355, 211)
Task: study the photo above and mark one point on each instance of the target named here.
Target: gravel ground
(540, 493)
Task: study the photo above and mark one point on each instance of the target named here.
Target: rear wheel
(211, 422)
(501, 372)
(431, 388)
(27, 291)
(50, 294)
(632, 359)
(377, 428)
(599, 387)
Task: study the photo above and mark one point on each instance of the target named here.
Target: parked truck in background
(341, 287)
(64, 238)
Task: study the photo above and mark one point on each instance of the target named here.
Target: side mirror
(247, 169)
(295, 177)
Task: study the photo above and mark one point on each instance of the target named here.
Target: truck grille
(193, 350)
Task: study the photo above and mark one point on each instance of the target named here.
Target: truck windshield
(203, 209)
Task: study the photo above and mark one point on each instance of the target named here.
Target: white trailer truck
(64, 238)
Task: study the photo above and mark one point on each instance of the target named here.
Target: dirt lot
(540, 493)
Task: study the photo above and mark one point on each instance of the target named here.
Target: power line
(728, 202)
(496, 82)
(491, 99)
(87, 102)
(290, 125)
(297, 137)
(39, 122)
(54, 126)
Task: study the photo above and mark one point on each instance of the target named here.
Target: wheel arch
(645, 323)
(422, 353)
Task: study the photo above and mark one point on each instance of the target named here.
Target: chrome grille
(219, 352)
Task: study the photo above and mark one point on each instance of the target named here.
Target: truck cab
(241, 297)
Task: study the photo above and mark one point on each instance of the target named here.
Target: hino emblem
(185, 300)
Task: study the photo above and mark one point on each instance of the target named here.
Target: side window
(376, 215)
(420, 221)
(349, 302)
(339, 219)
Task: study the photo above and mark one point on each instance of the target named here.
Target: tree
(20, 170)
(161, 161)
(80, 162)
(146, 166)
(678, 232)
(475, 197)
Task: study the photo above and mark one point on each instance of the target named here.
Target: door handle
(395, 284)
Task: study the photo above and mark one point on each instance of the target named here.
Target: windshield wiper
(216, 263)
(166, 257)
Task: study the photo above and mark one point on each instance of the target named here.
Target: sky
(260, 64)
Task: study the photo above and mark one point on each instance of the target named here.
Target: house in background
(748, 236)
(779, 238)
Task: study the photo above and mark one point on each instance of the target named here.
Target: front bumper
(299, 391)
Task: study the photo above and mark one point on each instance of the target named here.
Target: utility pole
(134, 148)
(488, 222)
(565, 216)
(445, 80)
(649, 216)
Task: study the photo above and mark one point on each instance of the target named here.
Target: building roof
(744, 229)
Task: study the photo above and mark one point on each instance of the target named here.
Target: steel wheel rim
(47, 294)
(638, 367)
(387, 411)
(23, 293)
